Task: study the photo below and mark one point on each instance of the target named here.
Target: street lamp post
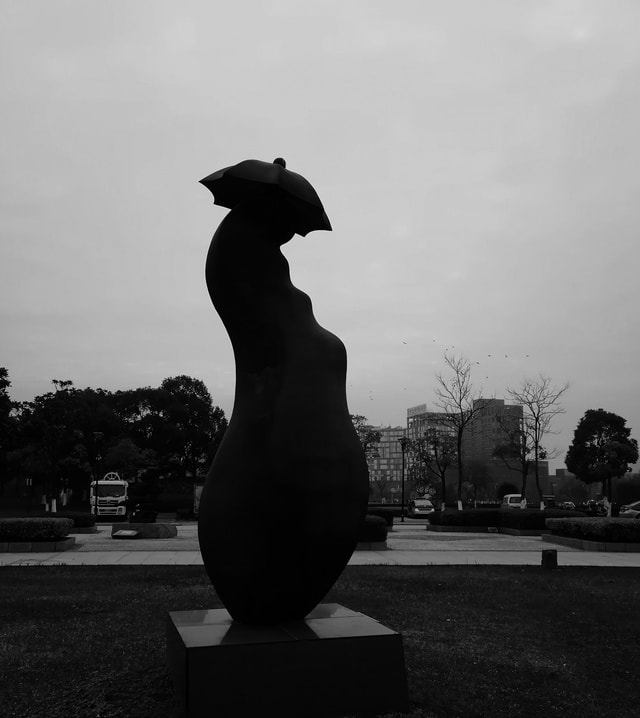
(403, 445)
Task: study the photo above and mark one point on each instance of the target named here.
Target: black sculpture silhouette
(285, 496)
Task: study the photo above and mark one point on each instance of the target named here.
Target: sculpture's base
(333, 663)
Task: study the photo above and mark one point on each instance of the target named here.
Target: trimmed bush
(522, 519)
(81, 519)
(532, 519)
(34, 529)
(597, 529)
(467, 517)
(385, 514)
(373, 528)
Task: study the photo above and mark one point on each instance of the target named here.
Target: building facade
(385, 465)
(492, 426)
(419, 420)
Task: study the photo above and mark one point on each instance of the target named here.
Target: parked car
(420, 507)
(567, 505)
(511, 501)
(593, 508)
(630, 511)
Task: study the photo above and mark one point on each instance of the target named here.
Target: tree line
(67, 437)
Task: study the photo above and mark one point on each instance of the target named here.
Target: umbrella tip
(279, 161)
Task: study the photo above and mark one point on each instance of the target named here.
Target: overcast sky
(479, 163)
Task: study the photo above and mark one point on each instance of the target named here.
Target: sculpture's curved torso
(287, 491)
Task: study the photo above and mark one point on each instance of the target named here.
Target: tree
(478, 478)
(127, 459)
(540, 402)
(436, 451)
(455, 397)
(505, 488)
(177, 422)
(51, 443)
(7, 426)
(194, 426)
(601, 449)
(368, 436)
(517, 451)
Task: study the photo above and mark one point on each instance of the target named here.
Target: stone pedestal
(333, 663)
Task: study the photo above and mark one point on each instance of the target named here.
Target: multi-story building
(386, 463)
(494, 422)
(419, 420)
(491, 427)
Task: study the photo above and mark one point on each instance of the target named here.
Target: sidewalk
(409, 544)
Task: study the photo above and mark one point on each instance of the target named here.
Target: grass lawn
(83, 642)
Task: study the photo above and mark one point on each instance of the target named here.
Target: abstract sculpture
(287, 491)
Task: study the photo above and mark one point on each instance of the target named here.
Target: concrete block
(147, 530)
(19, 547)
(371, 546)
(333, 663)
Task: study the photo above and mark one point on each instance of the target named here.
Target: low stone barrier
(37, 546)
(585, 545)
(147, 531)
(372, 546)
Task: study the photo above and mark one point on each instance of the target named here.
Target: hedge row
(34, 529)
(597, 529)
(81, 519)
(523, 519)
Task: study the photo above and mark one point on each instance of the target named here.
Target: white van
(512, 501)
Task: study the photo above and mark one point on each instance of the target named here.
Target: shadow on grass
(479, 641)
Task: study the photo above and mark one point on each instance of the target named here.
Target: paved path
(409, 545)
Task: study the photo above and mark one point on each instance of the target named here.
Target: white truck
(108, 496)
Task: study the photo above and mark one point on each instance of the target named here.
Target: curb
(585, 545)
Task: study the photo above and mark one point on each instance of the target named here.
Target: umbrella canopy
(265, 180)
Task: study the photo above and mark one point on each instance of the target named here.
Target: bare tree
(436, 452)
(516, 452)
(540, 402)
(456, 398)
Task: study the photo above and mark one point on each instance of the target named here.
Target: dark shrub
(531, 519)
(467, 517)
(385, 514)
(81, 519)
(34, 529)
(143, 515)
(597, 529)
(523, 519)
(174, 501)
(373, 528)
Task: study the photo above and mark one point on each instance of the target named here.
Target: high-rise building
(385, 461)
(493, 423)
(419, 420)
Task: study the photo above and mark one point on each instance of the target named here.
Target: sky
(478, 162)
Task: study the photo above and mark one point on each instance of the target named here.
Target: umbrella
(265, 180)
